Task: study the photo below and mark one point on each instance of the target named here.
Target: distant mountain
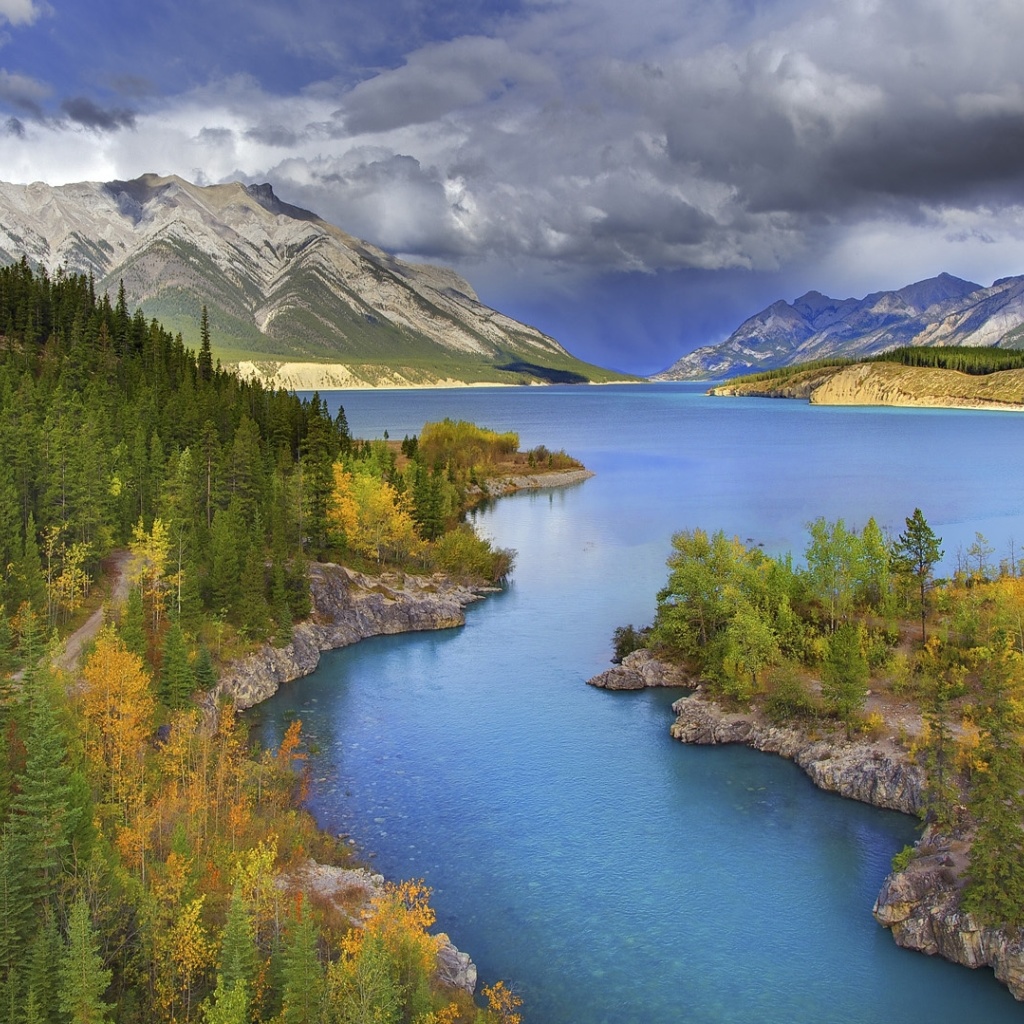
(281, 285)
(943, 310)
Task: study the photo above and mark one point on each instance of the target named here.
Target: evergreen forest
(151, 863)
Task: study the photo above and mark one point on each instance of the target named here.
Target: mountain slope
(943, 310)
(280, 283)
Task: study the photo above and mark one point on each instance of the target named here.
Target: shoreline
(889, 385)
(920, 905)
(295, 375)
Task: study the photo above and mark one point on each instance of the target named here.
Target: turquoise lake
(609, 873)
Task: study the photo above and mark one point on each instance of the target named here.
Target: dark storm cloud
(438, 80)
(14, 127)
(23, 93)
(570, 140)
(277, 135)
(89, 114)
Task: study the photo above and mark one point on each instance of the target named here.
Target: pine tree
(133, 624)
(253, 613)
(205, 363)
(995, 890)
(82, 978)
(915, 555)
(46, 811)
(238, 959)
(205, 673)
(43, 964)
(302, 972)
(14, 908)
(177, 678)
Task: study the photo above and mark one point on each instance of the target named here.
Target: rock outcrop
(351, 892)
(347, 607)
(874, 772)
(638, 670)
(921, 906)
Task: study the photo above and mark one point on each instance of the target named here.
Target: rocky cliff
(874, 772)
(921, 906)
(640, 669)
(347, 607)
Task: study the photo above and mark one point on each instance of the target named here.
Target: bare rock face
(921, 906)
(638, 670)
(454, 968)
(874, 773)
(347, 607)
(351, 892)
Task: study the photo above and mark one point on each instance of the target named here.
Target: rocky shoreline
(920, 904)
(347, 606)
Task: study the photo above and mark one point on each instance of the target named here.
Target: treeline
(863, 612)
(974, 360)
(115, 434)
(149, 861)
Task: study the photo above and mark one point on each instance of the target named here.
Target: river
(611, 874)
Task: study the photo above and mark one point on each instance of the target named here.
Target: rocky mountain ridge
(279, 282)
(943, 310)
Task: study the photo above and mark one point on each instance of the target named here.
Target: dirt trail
(115, 570)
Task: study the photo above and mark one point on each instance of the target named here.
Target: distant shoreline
(889, 384)
(309, 376)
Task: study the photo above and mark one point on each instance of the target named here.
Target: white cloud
(21, 12)
(593, 136)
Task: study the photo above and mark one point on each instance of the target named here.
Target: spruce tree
(205, 362)
(238, 958)
(177, 679)
(844, 674)
(253, 613)
(915, 555)
(302, 973)
(133, 625)
(82, 979)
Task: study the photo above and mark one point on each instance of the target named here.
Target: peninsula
(885, 686)
(885, 383)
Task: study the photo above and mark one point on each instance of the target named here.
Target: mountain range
(282, 286)
(943, 310)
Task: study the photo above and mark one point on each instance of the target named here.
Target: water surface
(611, 874)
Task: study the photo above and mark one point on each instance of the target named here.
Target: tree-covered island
(153, 867)
(857, 650)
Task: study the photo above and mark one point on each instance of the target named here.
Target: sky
(635, 179)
